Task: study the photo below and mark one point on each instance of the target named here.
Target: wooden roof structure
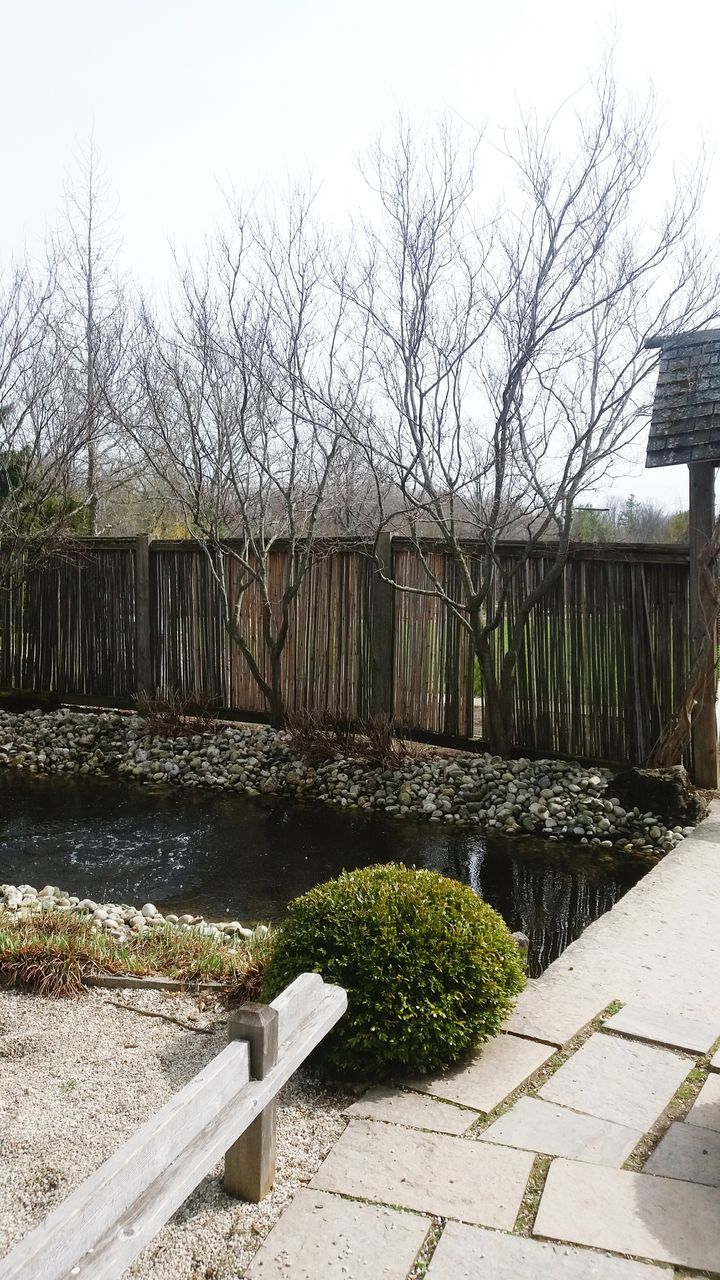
(685, 424)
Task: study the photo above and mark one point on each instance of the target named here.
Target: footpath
(583, 1143)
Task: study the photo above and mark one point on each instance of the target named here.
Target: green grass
(527, 1212)
(422, 1262)
(56, 953)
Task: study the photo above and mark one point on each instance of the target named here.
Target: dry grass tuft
(171, 714)
(55, 954)
(317, 736)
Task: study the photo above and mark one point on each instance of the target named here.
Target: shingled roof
(685, 425)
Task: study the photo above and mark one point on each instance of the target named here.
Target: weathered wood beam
(704, 721)
(143, 655)
(250, 1162)
(106, 1222)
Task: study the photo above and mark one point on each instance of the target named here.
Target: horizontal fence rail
(605, 655)
(103, 1226)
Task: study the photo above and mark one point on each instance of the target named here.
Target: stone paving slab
(498, 1068)
(688, 1152)
(715, 1061)
(705, 1110)
(555, 1012)
(660, 1027)
(618, 1080)
(468, 1253)
(556, 1131)
(431, 1172)
(398, 1106)
(661, 1219)
(325, 1236)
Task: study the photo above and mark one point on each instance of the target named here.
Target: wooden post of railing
(382, 614)
(143, 659)
(250, 1162)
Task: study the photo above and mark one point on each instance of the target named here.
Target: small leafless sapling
(239, 403)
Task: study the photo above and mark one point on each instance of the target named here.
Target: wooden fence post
(382, 614)
(701, 524)
(250, 1162)
(143, 659)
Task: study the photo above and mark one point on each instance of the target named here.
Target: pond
(231, 856)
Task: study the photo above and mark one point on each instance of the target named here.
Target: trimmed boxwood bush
(429, 968)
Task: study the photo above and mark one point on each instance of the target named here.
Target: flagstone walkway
(583, 1143)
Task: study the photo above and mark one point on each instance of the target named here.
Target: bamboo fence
(605, 655)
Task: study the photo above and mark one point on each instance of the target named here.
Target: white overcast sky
(188, 99)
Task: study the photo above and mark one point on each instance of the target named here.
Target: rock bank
(121, 921)
(554, 799)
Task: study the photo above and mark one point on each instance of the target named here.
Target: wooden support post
(143, 659)
(451, 665)
(704, 723)
(250, 1162)
(382, 613)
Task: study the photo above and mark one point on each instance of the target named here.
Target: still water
(240, 858)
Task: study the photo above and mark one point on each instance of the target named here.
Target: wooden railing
(227, 1109)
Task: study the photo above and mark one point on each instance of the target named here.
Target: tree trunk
(497, 703)
(275, 699)
(271, 688)
(92, 490)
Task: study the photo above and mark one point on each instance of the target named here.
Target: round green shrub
(429, 968)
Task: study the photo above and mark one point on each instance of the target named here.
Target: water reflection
(230, 856)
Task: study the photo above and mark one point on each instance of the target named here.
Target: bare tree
(628, 520)
(92, 318)
(508, 350)
(40, 443)
(239, 404)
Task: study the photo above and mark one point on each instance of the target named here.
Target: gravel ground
(70, 1098)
